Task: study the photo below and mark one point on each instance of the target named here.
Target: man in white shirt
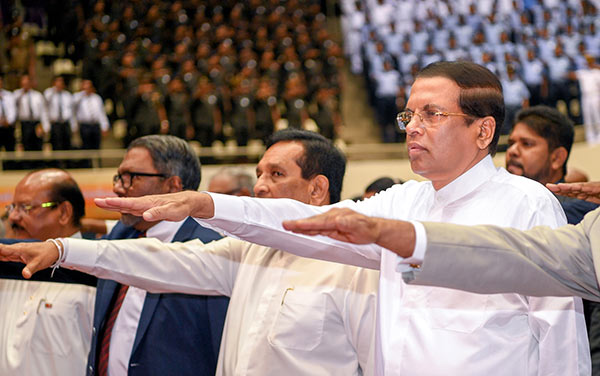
(451, 120)
(32, 114)
(89, 116)
(8, 116)
(46, 327)
(60, 106)
(287, 314)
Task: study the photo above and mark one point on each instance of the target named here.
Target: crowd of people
(545, 51)
(215, 69)
(210, 70)
(291, 314)
(224, 283)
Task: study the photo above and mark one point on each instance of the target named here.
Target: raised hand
(341, 224)
(36, 256)
(169, 207)
(589, 191)
(352, 227)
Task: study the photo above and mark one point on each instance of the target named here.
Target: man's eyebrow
(431, 106)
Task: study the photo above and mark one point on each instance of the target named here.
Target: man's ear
(173, 184)
(558, 158)
(487, 127)
(65, 210)
(319, 194)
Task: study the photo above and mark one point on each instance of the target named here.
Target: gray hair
(172, 156)
(241, 177)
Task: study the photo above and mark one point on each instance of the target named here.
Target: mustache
(16, 227)
(513, 163)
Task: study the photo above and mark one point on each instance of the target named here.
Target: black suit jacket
(178, 334)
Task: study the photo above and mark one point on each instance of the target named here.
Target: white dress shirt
(89, 108)
(128, 318)
(45, 327)
(8, 107)
(31, 106)
(287, 315)
(60, 104)
(429, 330)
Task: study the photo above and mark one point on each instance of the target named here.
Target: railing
(220, 154)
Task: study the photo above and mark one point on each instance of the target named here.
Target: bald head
(232, 181)
(46, 204)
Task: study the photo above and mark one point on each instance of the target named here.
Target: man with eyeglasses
(46, 327)
(156, 334)
(452, 123)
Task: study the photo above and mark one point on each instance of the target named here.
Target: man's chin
(515, 170)
(130, 220)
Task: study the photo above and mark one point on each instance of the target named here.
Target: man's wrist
(397, 236)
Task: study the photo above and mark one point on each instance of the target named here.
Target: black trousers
(7, 140)
(29, 139)
(60, 135)
(7, 137)
(90, 136)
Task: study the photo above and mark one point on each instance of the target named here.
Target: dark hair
(68, 190)
(381, 184)
(480, 94)
(556, 128)
(320, 157)
(172, 156)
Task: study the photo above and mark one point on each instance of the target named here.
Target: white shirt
(287, 315)
(60, 104)
(89, 108)
(8, 109)
(429, 330)
(31, 106)
(128, 318)
(46, 327)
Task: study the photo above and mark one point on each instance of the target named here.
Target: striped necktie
(108, 327)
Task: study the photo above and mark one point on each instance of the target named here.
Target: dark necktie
(30, 102)
(60, 117)
(108, 327)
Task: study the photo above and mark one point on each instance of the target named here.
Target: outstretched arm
(589, 191)
(352, 227)
(169, 207)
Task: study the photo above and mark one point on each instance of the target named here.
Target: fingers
(124, 205)
(9, 253)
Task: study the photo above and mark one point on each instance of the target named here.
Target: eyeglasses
(126, 178)
(26, 208)
(427, 117)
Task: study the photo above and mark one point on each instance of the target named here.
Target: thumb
(33, 266)
(152, 214)
(26, 272)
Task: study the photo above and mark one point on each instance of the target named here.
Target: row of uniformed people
(56, 112)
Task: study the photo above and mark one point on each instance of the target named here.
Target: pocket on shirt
(456, 310)
(299, 322)
(56, 329)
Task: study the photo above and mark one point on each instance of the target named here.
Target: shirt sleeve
(190, 267)
(101, 114)
(259, 221)
(44, 113)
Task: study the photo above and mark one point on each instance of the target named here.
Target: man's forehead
(440, 92)
(137, 159)
(27, 193)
